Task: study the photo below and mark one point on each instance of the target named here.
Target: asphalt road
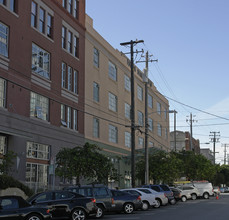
(200, 209)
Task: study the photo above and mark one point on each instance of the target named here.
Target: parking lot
(200, 209)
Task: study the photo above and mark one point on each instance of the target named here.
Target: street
(201, 209)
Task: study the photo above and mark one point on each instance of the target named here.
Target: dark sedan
(125, 201)
(65, 204)
(16, 208)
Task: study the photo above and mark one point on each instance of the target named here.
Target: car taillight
(48, 211)
(93, 200)
(139, 198)
(112, 200)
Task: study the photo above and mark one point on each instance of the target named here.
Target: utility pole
(175, 136)
(225, 152)
(132, 109)
(145, 80)
(191, 121)
(214, 136)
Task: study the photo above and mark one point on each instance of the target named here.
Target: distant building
(183, 142)
(208, 154)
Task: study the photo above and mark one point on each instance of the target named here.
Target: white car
(148, 200)
(160, 197)
(190, 190)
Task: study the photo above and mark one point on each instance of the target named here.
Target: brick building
(42, 61)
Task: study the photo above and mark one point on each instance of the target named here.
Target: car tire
(194, 196)
(183, 199)
(145, 205)
(206, 195)
(128, 208)
(100, 211)
(158, 204)
(78, 214)
(172, 202)
(34, 217)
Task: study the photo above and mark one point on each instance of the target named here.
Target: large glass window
(140, 93)
(113, 102)
(96, 57)
(4, 36)
(3, 145)
(39, 106)
(2, 93)
(38, 151)
(127, 139)
(96, 127)
(140, 118)
(127, 110)
(127, 83)
(113, 134)
(40, 61)
(95, 91)
(112, 71)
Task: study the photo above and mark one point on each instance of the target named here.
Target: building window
(159, 130)
(64, 30)
(63, 115)
(2, 93)
(42, 21)
(96, 127)
(76, 46)
(40, 61)
(140, 118)
(3, 2)
(140, 142)
(158, 108)
(4, 36)
(165, 113)
(112, 71)
(75, 81)
(113, 134)
(75, 120)
(76, 6)
(13, 5)
(127, 83)
(34, 15)
(166, 133)
(151, 144)
(69, 78)
(95, 91)
(113, 102)
(64, 76)
(150, 101)
(70, 6)
(49, 25)
(38, 151)
(3, 145)
(10, 4)
(150, 123)
(127, 110)
(64, 4)
(37, 175)
(127, 139)
(69, 41)
(140, 93)
(96, 58)
(69, 117)
(39, 106)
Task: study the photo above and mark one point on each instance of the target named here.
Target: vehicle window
(101, 191)
(133, 192)
(145, 191)
(9, 204)
(85, 192)
(156, 188)
(165, 188)
(44, 197)
(63, 195)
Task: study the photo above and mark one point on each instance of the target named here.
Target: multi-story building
(208, 154)
(42, 62)
(108, 103)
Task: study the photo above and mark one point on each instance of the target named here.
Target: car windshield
(165, 188)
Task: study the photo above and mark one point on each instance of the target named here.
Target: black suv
(100, 192)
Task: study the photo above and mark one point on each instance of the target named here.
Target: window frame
(96, 57)
(140, 92)
(113, 102)
(113, 134)
(3, 85)
(112, 71)
(95, 91)
(4, 46)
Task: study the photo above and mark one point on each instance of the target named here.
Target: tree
(85, 162)
(7, 162)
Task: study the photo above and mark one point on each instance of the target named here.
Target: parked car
(148, 200)
(190, 190)
(162, 188)
(15, 208)
(176, 193)
(159, 196)
(100, 192)
(65, 205)
(126, 202)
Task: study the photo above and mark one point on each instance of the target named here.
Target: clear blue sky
(190, 39)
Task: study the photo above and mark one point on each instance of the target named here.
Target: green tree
(7, 162)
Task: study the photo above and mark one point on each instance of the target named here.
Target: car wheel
(145, 205)
(78, 214)
(100, 211)
(128, 208)
(34, 217)
(158, 204)
(194, 196)
(206, 196)
(183, 199)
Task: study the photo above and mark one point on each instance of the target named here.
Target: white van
(205, 188)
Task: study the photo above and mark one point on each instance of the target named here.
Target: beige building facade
(108, 102)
